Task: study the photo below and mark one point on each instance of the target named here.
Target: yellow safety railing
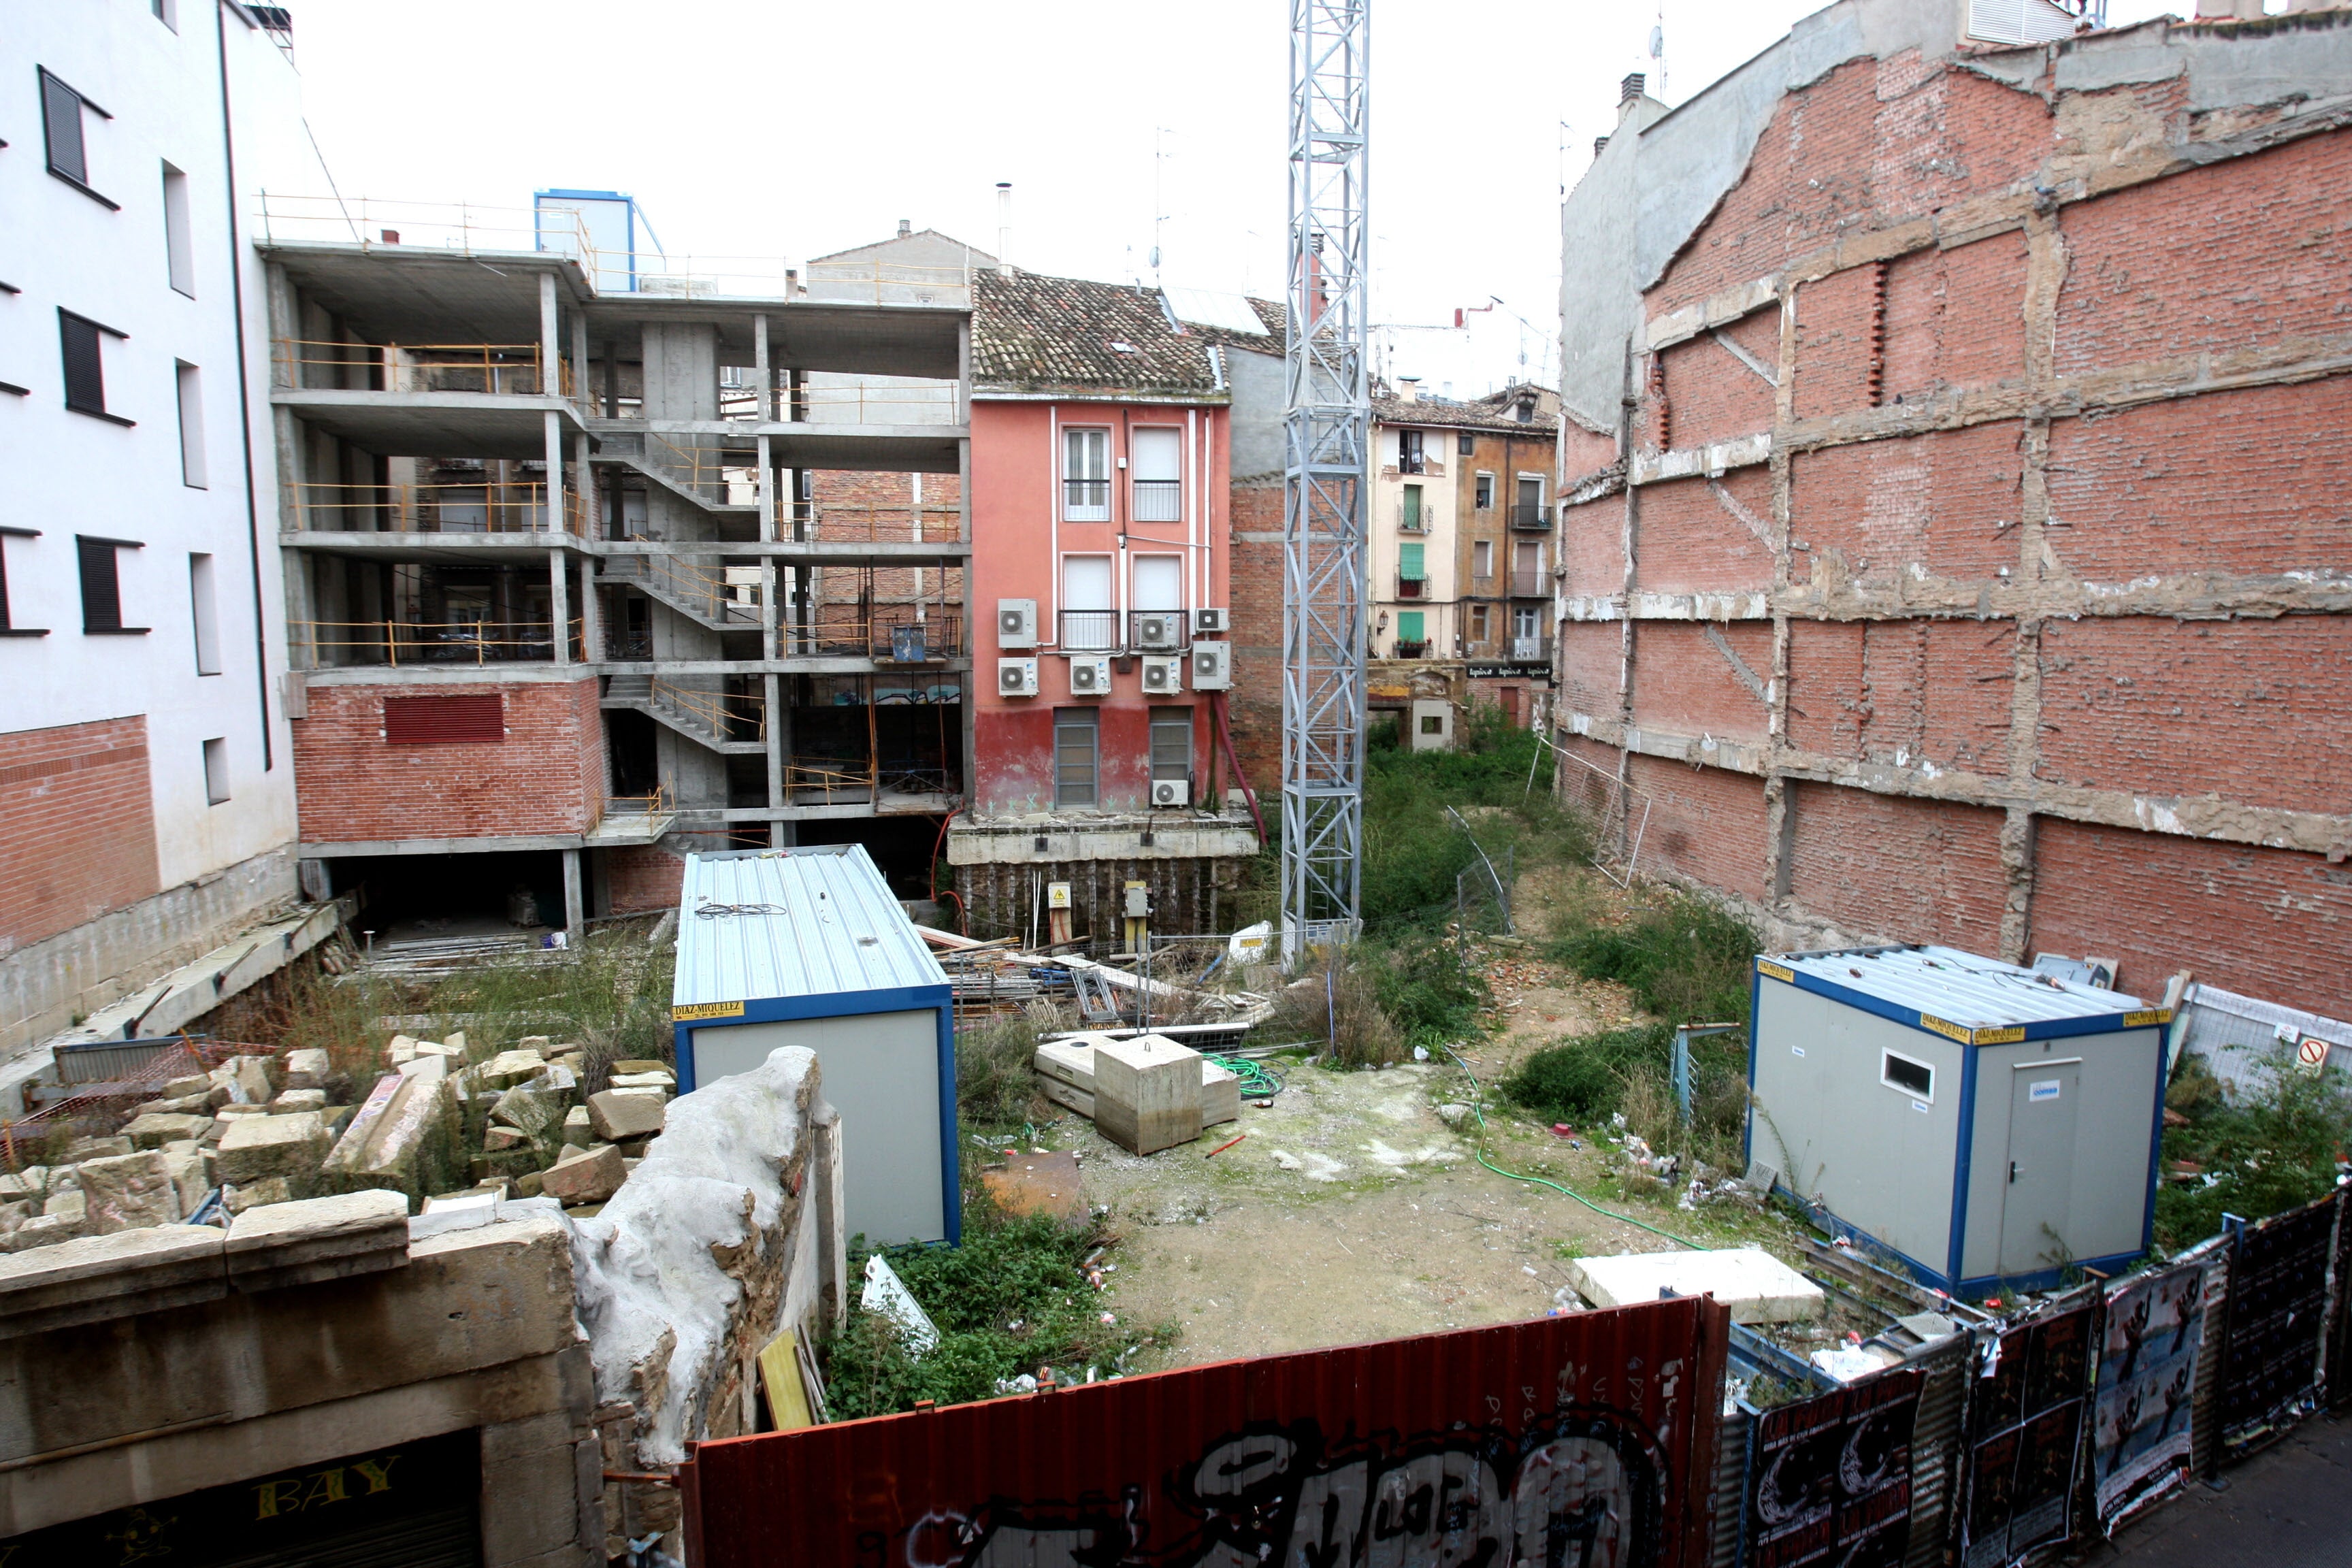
(490, 507)
(723, 714)
(723, 475)
(824, 522)
(508, 369)
(430, 642)
(652, 805)
(708, 590)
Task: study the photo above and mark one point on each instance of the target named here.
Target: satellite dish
(1658, 43)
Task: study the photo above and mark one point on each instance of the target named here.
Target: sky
(783, 130)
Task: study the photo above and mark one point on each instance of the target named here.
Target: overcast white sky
(784, 129)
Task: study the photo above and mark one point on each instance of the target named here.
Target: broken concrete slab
(294, 1100)
(261, 1194)
(293, 1146)
(129, 1192)
(509, 1068)
(307, 1069)
(1758, 1286)
(96, 1279)
(621, 1114)
(387, 1130)
(154, 1130)
(592, 1178)
(311, 1239)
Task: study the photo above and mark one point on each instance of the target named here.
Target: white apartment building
(146, 778)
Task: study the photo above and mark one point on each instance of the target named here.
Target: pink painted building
(1104, 423)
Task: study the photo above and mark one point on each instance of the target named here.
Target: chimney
(1631, 87)
(1408, 389)
(1600, 145)
(1004, 228)
(1527, 408)
(905, 228)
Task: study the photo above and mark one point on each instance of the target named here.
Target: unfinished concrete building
(552, 600)
(1970, 562)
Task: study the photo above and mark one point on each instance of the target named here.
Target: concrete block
(387, 1129)
(292, 1100)
(1147, 1093)
(510, 1067)
(1221, 1095)
(307, 1069)
(1066, 1069)
(619, 1113)
(195, 1085)
(1758, 1286)
(261, 1194)
(400, 1051)
(1068, 1096)
(453, 1044)
(191, 1173)
(1067, 1061)
(129, 1192)
(40, 1230)
(156, 1128)
(312, 1239)
(591, 1178)
(293, 1146)
(97, 1279)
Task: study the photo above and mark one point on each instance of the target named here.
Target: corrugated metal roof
(816, 922)
(1944, 982)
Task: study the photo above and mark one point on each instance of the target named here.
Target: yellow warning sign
(2151, 1015)
(2006, 1036)
(1765, 966)
(693, 1010)
(1951, 1031)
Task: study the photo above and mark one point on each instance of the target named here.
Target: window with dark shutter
(61, 119)
(85, 367)
(444, 720)
(101, 585)
(8, 626)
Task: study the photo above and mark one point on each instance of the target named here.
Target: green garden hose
(1480, 1153)
(1258, 1081)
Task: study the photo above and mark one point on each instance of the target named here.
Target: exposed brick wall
(1592, 792)
(547, 777)
(1885, 867)
(1584, 452)
(1841, 323)
(2263, 922)
(1254, 704)
(1713, 396)
(642, 878)
(1949, 502)
(1956, 317)
(1690, 542)
(1705, 824)
(1593, 546)
(2140, 491)
(2245, 254)
(1683, 682)
(76, 827)
(1916, 690)
(1589, 655)
(2258, 709)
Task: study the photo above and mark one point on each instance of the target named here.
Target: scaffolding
(1326, 430)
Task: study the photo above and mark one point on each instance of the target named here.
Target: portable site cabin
(1986, 1124)
(809, 947)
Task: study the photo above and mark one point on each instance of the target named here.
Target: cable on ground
(1480, 1153)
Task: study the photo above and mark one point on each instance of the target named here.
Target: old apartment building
(1969, 562)
(550, 570)
(146, 791)
(1107, 420)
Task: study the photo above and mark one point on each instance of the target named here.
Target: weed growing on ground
(1687, 960)
(2269, 1151)
(1337, 1004)
(1013, 1298)
(1630, 1072)
(996, 1083)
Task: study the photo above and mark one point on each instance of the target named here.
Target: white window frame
(1888, 1054)
(1088, 513)
(179, 232)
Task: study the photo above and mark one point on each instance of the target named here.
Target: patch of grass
(996, 1082)
(1582, 1082)
(1686, 960)
(2271, 1151)
(1337, 1003)
(1588, 1080)
(1013, 1298)
(1424, 990)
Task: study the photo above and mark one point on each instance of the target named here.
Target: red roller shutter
(444, 720)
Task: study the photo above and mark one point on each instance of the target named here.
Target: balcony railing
(727, 716)
(397, 643)
(1157, 500)
(488, 508)
(1413, 587)
(899, 633)
(1089, 631)
(713, 592)
(1085, 500)
(831, 524)
(1413, 649)
(1413, 518)
(1529, 650)
(1531, 517)
(1482, 585)
(1530, 584)
(508, 369)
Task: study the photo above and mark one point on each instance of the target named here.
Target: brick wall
(1254, 703)
(1593, 546)
(1921, 870)
(76, 827)
(1590, 653)
(546, 777)
(1916, 690)
(642, 878)
(1948, 502)
(1713, 396)
(1704, 823)
(1691, 540)
(1955, 317)
(1684, 681)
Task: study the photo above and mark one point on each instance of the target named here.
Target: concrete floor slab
(1758, 1286)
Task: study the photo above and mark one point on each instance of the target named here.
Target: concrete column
(771, 694)
(559, 606)
(582, 390)
(575, 923)
(592, 631)
(554, 436)
(759, 365)
(550, 385)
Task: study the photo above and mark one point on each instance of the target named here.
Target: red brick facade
(547, 777)
(76, 827)
(2042, 575)
(1255, 701)
(637, 880)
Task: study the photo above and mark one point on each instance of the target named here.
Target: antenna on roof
(1004, 228)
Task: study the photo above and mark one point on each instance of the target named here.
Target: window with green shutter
(1409, 625)
(1410, 520)
(1409, 566)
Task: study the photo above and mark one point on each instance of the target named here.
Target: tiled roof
(1495, 411)
(1034, 333)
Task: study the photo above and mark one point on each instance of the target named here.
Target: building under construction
(562, 603)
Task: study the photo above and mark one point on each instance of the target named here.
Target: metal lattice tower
(1327, 434)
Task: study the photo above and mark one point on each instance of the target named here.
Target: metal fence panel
(1936, 1450)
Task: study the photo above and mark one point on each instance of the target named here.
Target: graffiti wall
(2025, 1431)
(1833, 1477)
(1577, 1442)
(2278, 1306)
(2142, 1440)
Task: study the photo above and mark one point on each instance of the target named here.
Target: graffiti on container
(1580, 1490)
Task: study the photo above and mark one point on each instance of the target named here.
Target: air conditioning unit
(1016, 622)
(1172, 791)
(1212, 622)
(1212, 666)
(1016, 678)
(1160, 631)
(1090, 677)
(1163, 677)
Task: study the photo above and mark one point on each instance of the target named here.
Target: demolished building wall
(1968, 573)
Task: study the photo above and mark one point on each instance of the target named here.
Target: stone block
(96, 1279)
(400, 1051)
(536, 1108)
(311, 1239)
(129, 1192)
(293, 1100)
(388, 1128)
(13, 1215)
(307, 1069)
(40, 1230)
(192, 1175)
(193, 1085)
(1147, 1093)
(640, 1064)
(187, 1105)
(293, 1146)
(82, 1149)
(32, 1182)
(661, 1081)
(499, 1139)
(619, 1113)
(261, 1194)
(70, 1208)
(510, 1067)
(230, 1112)
(576, 1126)
(591, 1177)
(456, 1044)
(154, 1130)
(254, 1078)
(1758, 1286)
